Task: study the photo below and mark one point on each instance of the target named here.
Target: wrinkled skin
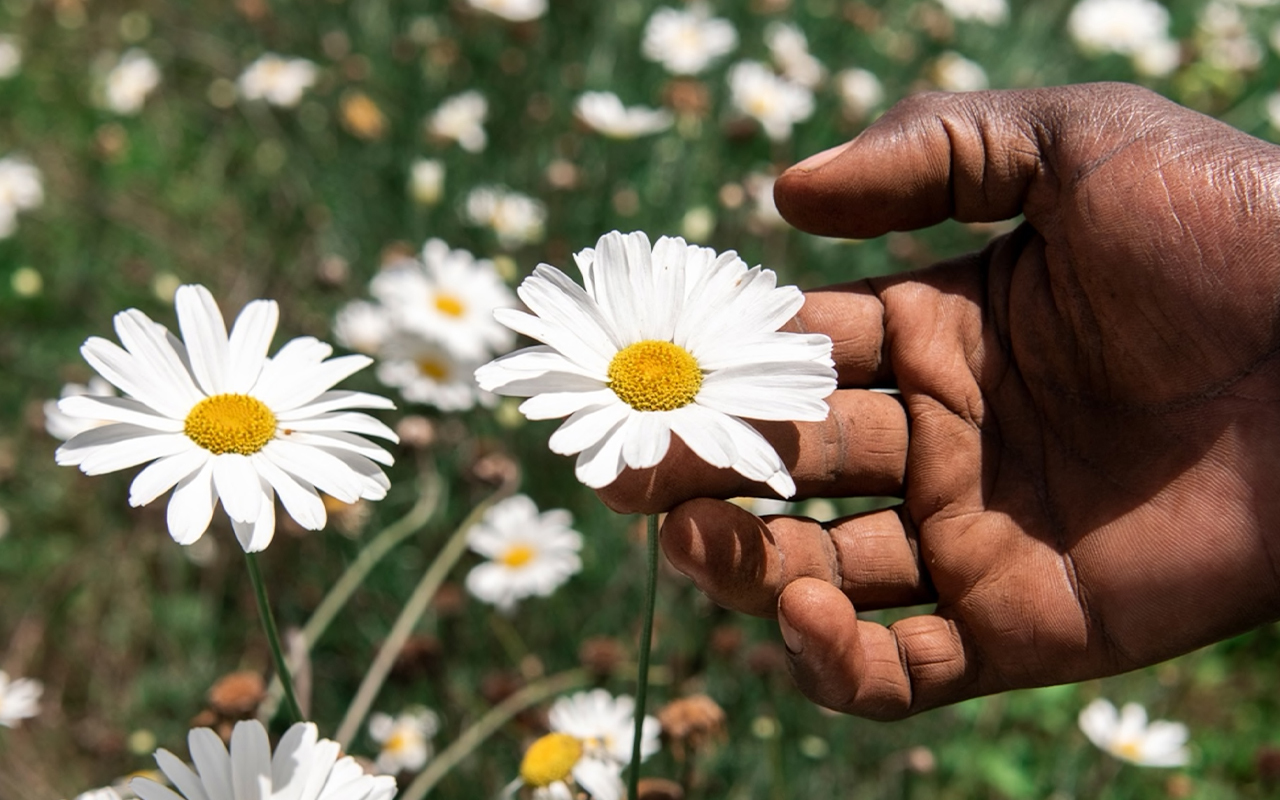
(1087, 442)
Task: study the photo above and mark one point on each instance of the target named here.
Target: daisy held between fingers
(219, 420)
(663, 339)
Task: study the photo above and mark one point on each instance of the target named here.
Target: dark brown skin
(1087, 442)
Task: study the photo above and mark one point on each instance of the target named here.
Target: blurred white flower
(105, 793)
(604, 112)
(1127, 735)
(953, 72)
(61, 426)
(127, 84)
(1117, 26)
(517, 219)
(425, 372)
(19, 699)
(1273, 110)
(448, 297)
(219, 421)
(10, 56)
(860, 91)
(461, 119)
(774, 101)
(988, 12)
(662, 339)
(1224, 38)
(698, 223)
(21, 189)
(790, 50)
(605, 725)
(765, 212)
(279, 80)
(1158, 58)
(530, 554)
(686, 41)
(513, 10)
(304, 767)
(363, 326)
(426, 181)
(405, 739)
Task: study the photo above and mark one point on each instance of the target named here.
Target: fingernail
(818, 159)
(795, 644)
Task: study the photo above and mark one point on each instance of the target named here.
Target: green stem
(273, 636)
(408, 619)
(487, 725)
(646, 640)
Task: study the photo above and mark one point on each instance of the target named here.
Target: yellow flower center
(517, 556)
(433, 368)
(1130, 750)
(655, 376)
(396, 742)
(230, 423)
(450, 306)
(550, 759)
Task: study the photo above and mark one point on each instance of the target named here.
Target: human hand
(1087, 441)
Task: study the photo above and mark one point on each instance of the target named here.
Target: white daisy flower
(790, 50)
(448, 297)
(515, 218)
(21, 189)
(405, 739)
(605, 725)
(1117, 26)
(19, 699)
(220, 421)
(530, 554)
(62, 426)
(10, 56)
(303, 767)
(363, 326)
(279, 80)
(427, 373)
(686, 41)
(512, 10)
(104, 793)
(953, 72)
(128, 83)
(1158, 58)
(556, 767)
(461, 119)
(988, 12)
(604, 112)
(860, 91)
(426, 181)
(774, 101)
(672, 338)
(1128, 736)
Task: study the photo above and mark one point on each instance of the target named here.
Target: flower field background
(158, 159)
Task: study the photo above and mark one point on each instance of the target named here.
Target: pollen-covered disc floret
(550, 758)
(217, 420)
(660, 339)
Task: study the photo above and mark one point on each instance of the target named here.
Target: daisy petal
(703, 431)
(164, 473)
(250, 759)
(212, 761)
(130, 452)
(191, 505)
(645, 439)
(117, 409)
(238, 487)
(555, 405)
(336, 401)
(165, 372)
(601, 464)
(147, 789)
(341, 440)
(322, 470)
(292, 387)
(349, 421)
(205, 335)
(584, 428)
(300, 499)
(180, 775)
(250, 339)
(256, 535)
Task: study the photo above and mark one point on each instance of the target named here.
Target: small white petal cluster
(1224, 39)
(10, 56)
(515, 218)
(988, 12)
(604, 112)
(221, 422)
(663, 339)
(127, 84)
(405, 739)
(461, 119)
(19, 699)
(303, 767)
(790, 51)
(685, 42)
(776, 102)
(431, 325)
(279, 80)
(21, 189)
(61, 426)
(860, 91)
(1127, 735)
(530, 554)
(953, 72)
(426, 181)
(1118, 26)
(512, 10)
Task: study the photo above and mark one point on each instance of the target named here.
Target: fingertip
(726, 551)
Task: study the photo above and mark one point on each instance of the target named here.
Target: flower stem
(646, 640)
(273, 635)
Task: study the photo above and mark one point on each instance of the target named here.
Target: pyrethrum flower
(1118, 26)
(604, 112)
(955, 73)
(860, 91)
(19, 699)
(277, 79)
(127, 84)
(530, 554)
(1128, 736)
(428, 373)
(303, 767)
(221, 421)
(20, 190)
(61, 426)
(461, 119)
(515, 218)
(405, 739)
(790, 50)
(775, 101)
(685, 42)
(426, 181)
(663, 339)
